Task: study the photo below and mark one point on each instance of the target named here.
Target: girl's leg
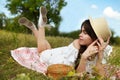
(24, 21)
(43, 44)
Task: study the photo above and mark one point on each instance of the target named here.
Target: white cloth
(62, 55)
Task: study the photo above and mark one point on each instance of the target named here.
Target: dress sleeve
(107, 52)
(71, 54)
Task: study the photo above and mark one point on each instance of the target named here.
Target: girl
(89, 50)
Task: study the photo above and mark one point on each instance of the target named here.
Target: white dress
(29, 57)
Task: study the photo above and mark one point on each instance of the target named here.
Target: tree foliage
(30, 9)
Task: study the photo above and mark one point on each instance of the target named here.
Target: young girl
(90, 49)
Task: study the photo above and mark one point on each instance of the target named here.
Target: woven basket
(57, 71)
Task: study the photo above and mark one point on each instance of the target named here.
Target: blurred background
(65, 18)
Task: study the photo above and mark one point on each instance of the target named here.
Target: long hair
(88, 28)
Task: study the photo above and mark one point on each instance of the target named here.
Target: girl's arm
(101, 46)
(99, 66)
(82, 65)
(91, 50)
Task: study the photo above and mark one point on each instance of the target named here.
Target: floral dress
(31, 59)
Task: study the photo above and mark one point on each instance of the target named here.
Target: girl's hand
(101, 46)
(91, 50)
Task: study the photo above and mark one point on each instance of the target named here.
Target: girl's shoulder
(76, 43)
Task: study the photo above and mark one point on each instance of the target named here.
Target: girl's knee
(43, 45)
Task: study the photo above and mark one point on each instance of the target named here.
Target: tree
(30, 9)
(3, 19)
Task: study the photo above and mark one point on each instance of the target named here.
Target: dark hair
(88, 28)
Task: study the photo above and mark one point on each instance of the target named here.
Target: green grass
(11, 70)
(115, 56)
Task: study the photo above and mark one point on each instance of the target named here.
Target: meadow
(11, 70)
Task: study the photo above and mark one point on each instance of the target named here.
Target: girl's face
(84, 38)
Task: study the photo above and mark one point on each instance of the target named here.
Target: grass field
(11, 70)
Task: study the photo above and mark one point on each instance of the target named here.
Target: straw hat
(100, 27)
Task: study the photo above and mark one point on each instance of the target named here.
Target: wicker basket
(57, 71)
